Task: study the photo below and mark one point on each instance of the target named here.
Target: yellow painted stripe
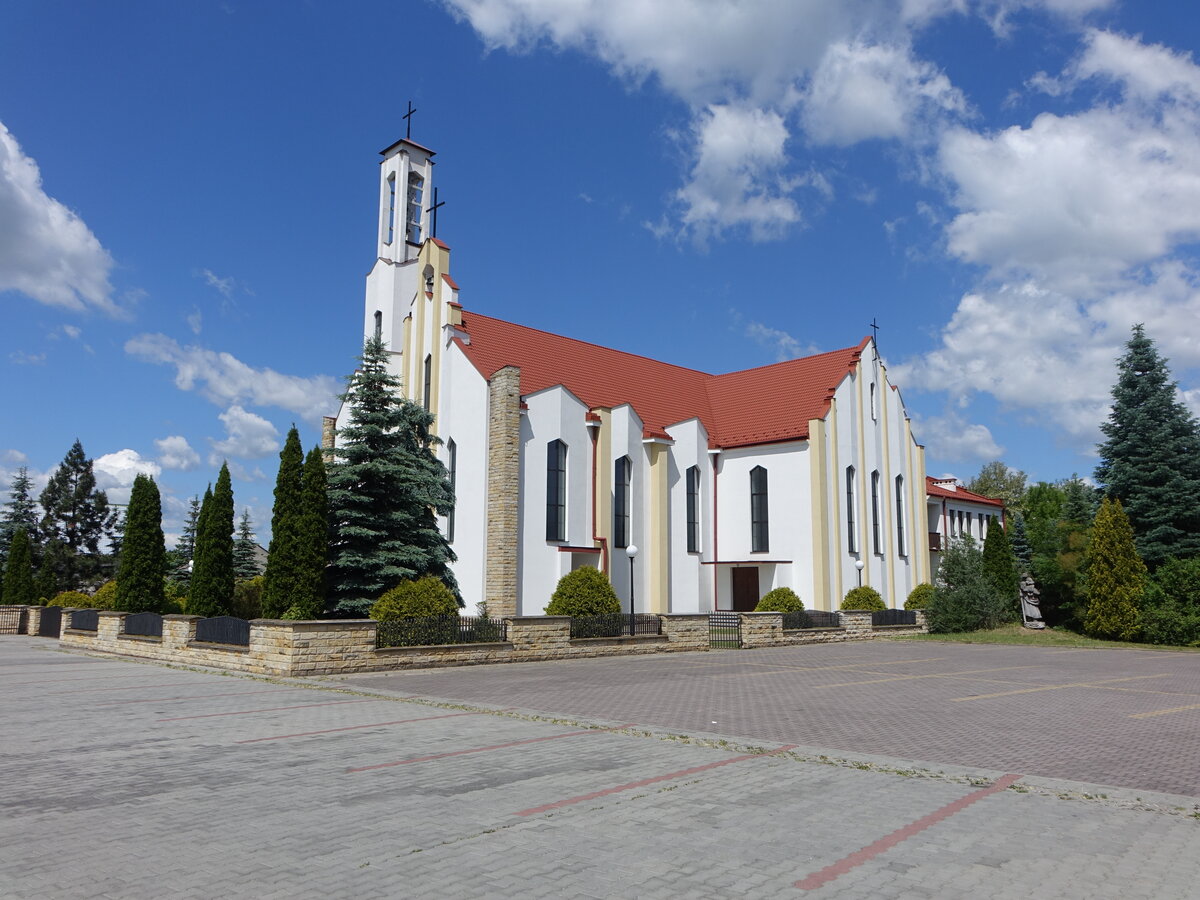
(934, 675)
(1165, 712)
(1056, 687)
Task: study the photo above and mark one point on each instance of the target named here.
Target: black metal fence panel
(430, 631)
(223, 630)
(12, 620)
(615, 625)
(51, 622)
(85, 619)
(894, 617)
(725, 630)
(146, 625)
(811, 618)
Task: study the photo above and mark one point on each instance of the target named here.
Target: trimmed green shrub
(920, 596)
(71, 600)
(864, 597)
(963, 600)
(174, 598)
(782, 599)
(1171, 614)
(104, 598)
(583, 592)
(427, 596)
(1115, 578)
(247, 598)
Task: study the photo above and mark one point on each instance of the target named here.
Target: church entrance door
(745, 589)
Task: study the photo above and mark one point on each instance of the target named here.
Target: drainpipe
(603, 542)
(716, 556)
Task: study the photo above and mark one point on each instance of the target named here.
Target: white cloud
(174, 452)
(195, 321)
(21, 358)
(224, 286)
(46, 250)
(785, 346)
(951, 438)
(225, 380)
(861, 91)
(249, 436)
(115, 473)
(72, 331)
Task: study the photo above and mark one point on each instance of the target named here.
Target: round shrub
(427, 596)
(247, 598)
(70, 600)
(863, 598)
(583, 592)
(782, 599)
(104, 598)
(919, 597)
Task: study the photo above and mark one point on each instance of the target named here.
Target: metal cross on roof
(407, 117)
(433, 209)
(874, 330)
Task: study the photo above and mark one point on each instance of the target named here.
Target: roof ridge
(784, 362)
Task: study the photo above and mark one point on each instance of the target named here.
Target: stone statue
(1031, 610)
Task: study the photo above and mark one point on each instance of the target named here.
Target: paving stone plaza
(880, 769)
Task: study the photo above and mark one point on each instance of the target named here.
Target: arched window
(876, 536)
(556, 491)
(416, 188)
(693, 509)
(851, 542)
(452, 468)
(622, 477)
(428, 382)
(759, 530)
(389, 229)
(378, 325)
(900, 546)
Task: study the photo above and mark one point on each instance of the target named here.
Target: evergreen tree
(179, 560)
(1116, 576)
(386, 489)
(314, 540)
(245, 551)
(1000, 567)
(283, 574)
(18, 574)
(140, 577)
(1080, 501)
(998, 481)
(1150, 460)
(1020, 545)
(19, 512)
(45, 582)
(78, 516)
(212, 573)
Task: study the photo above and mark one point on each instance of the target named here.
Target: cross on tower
(407, 117)
(433, 209)
(875, 336)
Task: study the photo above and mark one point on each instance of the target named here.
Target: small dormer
(405, 183)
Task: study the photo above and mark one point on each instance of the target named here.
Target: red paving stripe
(570, 801)
(537, 740)
(280, 737)
(869, 852)
(247, 712)
(204, 696)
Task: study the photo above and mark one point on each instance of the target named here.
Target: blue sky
(188, 193)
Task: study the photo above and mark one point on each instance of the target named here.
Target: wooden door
(745, 589)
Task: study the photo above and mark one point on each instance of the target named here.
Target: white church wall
(690, 587)
(627, 429)
(463, 417)
(552, 414)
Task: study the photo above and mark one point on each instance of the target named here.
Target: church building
(692, 491)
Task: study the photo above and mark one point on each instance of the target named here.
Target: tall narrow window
(378, 325)
(693, 509)
(759, 530)
(874, 414)
(876, 542)
(428, 382)
(391, 215)
(981, 534)
(851, 542)
(452, 467)
(621, 480)
(900, 547)
(556, 491)
(416, 191)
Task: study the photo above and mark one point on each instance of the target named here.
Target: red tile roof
(755, 406)
(933, 489)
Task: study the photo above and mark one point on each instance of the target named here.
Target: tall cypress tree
(1000, 566)
(1115, 576)
(1150, 460)
(386, 488)
(143, 556)
(77, 515)
(245, 550)
(313, 540)
(18, 574)
(284, 558)
(212, 576)
(45, 582)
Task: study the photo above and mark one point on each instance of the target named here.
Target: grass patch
(1046, 637)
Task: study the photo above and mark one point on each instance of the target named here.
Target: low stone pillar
(686, 632)
(64, 624)
(313, 647)
(33, 620)
(762, 629)
(110, 624)
(922, 621)
(178, 631)
(856, 621)
(541, 637)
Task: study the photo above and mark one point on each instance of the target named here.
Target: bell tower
(405, 183)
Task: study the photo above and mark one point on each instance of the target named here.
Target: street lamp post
(858, 564)
(631, 552)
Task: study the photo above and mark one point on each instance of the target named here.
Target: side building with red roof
(692, 491)
(954, 511)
